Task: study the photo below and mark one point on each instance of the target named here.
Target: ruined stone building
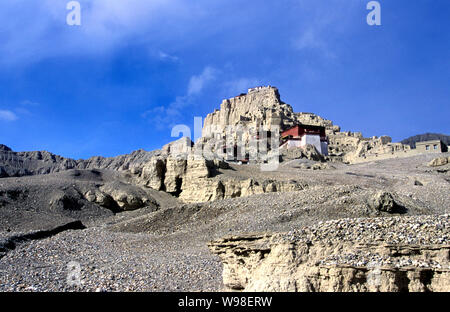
(244, 118)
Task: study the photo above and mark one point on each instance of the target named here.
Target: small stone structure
(434, 146)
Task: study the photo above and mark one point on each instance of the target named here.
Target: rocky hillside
(17, 164)
(259, 109)
(382, 254)
(89, 196)
(144, 221)
(261, 106)
(127, 236)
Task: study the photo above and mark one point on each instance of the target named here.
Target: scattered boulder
(307, 152)
(310, 152)
(69, 199)
(439, 161)
(383, 202)
(128, 197)
(320, 166)
(102, 199)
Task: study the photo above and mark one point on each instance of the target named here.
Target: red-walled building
(301, 135)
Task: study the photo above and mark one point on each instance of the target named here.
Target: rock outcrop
(368, 149)
(127, 197)
(242, 118)
(308, 152)
(178, 148)
(349, 255)
(439, 161)
(196, 180)
(249, 116)
(261, 106)
(116, 196)
(378, 148)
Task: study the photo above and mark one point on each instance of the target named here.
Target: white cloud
(322, 25)
(7, 115)
(36, 29)
(197, 83)
(33, 30)
(313, 39)
(29, 103)
(308, 40)
(163, 117)
(167, 57)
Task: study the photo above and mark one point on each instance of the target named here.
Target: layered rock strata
(350, 255)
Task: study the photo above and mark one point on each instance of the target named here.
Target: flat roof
(428, 142)
(305, 126)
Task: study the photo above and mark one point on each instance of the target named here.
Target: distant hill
(17, 164)
(411, 141)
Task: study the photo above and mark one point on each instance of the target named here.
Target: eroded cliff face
(196, 180)
(246, 120)
(358, 255)
(260, 107)
(184, 174)
(247, 114)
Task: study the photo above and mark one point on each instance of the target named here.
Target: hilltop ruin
(261, 109)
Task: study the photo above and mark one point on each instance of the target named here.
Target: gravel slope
(166, 250)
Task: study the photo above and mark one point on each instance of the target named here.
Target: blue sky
(134, 68)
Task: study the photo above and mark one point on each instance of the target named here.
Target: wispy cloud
(309, 39)
(29, 25)
(321, 27)
(163, 117)
(313, 40)
(163, 56)
(7, 115)
(29, 103)
(197, 83)
(33, 30)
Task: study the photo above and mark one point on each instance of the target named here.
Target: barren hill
(372, 215)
